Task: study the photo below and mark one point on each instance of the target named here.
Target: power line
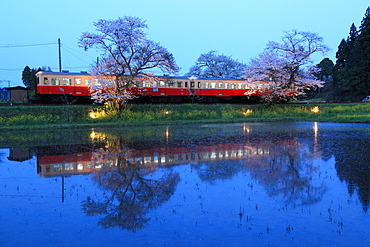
(79, 52)
(11, 69)
(25, 45)
(67, 51)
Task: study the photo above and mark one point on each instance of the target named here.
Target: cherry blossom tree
(212, 65)
(286, 67)
(127, 54)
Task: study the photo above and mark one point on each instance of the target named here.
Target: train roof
(66, 72)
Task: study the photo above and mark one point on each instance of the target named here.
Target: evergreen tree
(326, 70)
(352, 69)
(28, 78)
(343, 89)
(325, 74)
(363, 69)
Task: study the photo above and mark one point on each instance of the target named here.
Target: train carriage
(53, 86)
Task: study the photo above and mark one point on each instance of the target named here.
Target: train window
(55, 81)
(220, 85)
(206, 85)
(87, 82)
(46, 81)
(179, 157)
(136, 84)
(233, 85)
(68, 166)
(78, 81)
(213, 155)
(171, 158)
(89, 165)
(147, 160)
(199, 84)
(191, 84)
(163, 159)
(179, 84)
(171, 84)
(186, 84)
(57, 167)
(146, 83)
(226, 85)
(246, 86)
(213, 84)
(67, 81)
(239, 86)
(96, 82)
(161, 84)
(155, 84)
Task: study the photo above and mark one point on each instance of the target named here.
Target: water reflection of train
(85, 162)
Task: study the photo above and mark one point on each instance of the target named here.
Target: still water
(260, 184)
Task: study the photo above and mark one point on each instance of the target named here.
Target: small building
(19, 154)
(4, 94)
(17, 94)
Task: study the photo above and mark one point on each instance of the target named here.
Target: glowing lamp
(315, 109)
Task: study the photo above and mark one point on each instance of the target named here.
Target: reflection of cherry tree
(222, 170)
(131, 190)
(287, 170)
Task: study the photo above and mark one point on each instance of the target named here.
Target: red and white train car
(51, 86)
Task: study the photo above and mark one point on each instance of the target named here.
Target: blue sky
(188, 28)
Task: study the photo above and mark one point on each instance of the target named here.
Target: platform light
(97, 114)
(247, 112)
(315, 109)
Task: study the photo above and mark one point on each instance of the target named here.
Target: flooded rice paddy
(260, 184)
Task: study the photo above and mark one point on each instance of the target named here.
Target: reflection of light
(315, 109)
(315, 128)
(92, 135)
(315, 131)
(167, 133)
(92, 115)
(166, 112)
(246, 129)
(96, 135)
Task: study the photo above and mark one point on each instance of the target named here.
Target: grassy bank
(20, 117)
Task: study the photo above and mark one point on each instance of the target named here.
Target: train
(74, 163)
(65, 85)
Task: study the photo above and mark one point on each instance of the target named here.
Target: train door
(155, 89)
(43, 85)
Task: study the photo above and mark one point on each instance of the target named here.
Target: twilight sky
(238, 28)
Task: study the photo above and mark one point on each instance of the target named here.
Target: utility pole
(60, 56)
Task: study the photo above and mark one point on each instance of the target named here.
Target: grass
(28, 117)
